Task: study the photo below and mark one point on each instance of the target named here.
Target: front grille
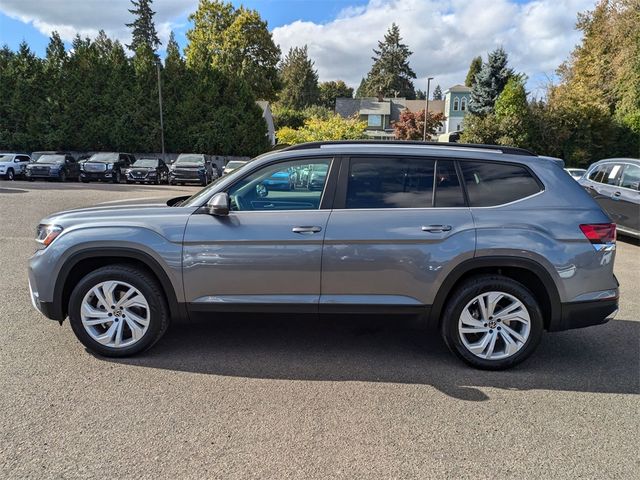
(40, 170)
(95, 167)
(139, 173)
(186, 173)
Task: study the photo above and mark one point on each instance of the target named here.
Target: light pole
(160, 102)
(426, 110)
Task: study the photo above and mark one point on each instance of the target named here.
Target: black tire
(10, 175)
(147, 285)
(31, 179)
(465, 293)
(63, 176)
(116, 176)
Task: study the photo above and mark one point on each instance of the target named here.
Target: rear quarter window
(490, 184)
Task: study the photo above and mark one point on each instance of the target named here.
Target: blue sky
(443, 34)
(275, 12)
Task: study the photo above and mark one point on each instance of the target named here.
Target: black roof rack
(503, 149)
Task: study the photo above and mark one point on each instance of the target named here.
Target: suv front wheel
(492, 322)
(117, 311)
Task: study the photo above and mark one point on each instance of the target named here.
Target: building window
(456, 104)
(374, 120)
(463, 104)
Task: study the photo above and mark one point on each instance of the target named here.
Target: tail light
(600, 233)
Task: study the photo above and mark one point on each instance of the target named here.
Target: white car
(576, 173)
(232, 165)
(13, 164)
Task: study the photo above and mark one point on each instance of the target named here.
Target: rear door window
(489, 184)
(390, 183)
(631, 177)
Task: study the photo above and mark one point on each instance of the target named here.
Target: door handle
(306, 230)
(436, 228)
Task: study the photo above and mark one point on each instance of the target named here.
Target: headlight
(152, 173)
(46, 234)
(109, 166)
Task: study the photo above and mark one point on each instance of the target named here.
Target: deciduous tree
(410, 125)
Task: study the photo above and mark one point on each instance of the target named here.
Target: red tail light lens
(598, 233)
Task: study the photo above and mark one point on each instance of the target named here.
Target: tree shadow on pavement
(602, 359)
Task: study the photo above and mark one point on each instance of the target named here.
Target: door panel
(627, 199)
(253, 257)
(374, 256)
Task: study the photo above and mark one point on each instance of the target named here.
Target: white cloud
(88, 17)
(443, 35)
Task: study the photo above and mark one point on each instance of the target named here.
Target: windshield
(6, 158)
(235, 164)
(51, 159)
(103, 157)
(146, 162)
(190, 159)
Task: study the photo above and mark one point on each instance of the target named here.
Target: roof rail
(501, 148)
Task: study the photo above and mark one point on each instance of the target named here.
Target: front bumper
(96, 176)
(187, 177)
(30, 174)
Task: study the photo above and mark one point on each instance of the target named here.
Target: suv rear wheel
(492, 322)
(117, 311)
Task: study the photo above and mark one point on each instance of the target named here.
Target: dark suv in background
(491, 245)
(192, 168)
(615, 184)
(148, 170)
(106, 167)
(61, 166)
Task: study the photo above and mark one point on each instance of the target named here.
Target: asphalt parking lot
(260, 397)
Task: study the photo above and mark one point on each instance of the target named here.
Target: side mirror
(219, 204)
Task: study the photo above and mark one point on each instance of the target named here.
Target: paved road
(301, 398)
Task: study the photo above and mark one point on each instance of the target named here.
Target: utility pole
(426, 110)
(160, 102)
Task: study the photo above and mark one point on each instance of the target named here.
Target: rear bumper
(586, 314)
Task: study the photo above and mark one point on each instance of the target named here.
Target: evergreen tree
(329, 91)
(474, 69)
(437, 93)
(55, 63)
(490, 82)
(421, 94)
(8, 81)
(173, 92)
(299, 80)
(361, 91)
(391, 74)
(143, 28)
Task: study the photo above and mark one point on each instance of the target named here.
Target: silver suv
(492, 245)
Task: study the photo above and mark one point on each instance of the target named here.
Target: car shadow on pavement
(603, 359)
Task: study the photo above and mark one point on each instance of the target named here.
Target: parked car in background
(615, 184)
(576, 173)
(192, 168)
(105, 167)
(13, 165)
(61, 166)
(317, 177)
(148, 170)
(491, 245)
(279, 181)
(232, 165)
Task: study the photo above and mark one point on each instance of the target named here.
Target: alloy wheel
(115, 314)
(494, 325)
